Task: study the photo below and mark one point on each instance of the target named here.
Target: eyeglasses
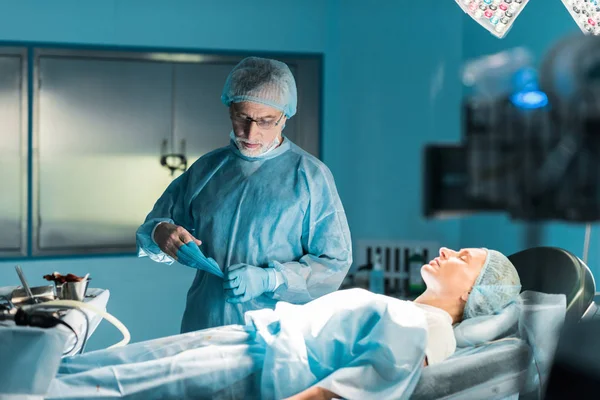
(266, 124)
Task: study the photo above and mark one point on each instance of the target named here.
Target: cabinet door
(13, 154)
(101, 124)
(201, 119)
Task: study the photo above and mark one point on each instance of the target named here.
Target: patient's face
(453, 273)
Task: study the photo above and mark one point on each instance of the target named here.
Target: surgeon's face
(454, 273)
(257, 127)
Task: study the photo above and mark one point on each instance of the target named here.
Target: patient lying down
(349, 344)
(464, 284)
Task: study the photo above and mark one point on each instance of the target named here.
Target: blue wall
(147, 297)
(392, 87)
(236, 24)
(537, 34)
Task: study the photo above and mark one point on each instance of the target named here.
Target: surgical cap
(497, 286)
(263, 81)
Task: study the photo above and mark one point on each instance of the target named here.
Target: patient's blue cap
(497, 286)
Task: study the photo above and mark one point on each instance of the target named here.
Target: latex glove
(190, 254)
(245, 282)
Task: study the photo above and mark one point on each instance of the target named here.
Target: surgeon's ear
(465, 296)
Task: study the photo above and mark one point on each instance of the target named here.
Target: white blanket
(354, 343)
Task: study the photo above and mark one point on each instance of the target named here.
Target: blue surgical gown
(280, 210)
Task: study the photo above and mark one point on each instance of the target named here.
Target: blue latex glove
(245, 282)
(191, 255)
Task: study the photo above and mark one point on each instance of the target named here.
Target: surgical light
(586, 14)
(497, 16)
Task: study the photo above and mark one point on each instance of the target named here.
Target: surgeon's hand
(245, 282)
(170, 238)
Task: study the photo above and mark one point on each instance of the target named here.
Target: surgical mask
(270, 148)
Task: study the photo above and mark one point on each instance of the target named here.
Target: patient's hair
(497, 286)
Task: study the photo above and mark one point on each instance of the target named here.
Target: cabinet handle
(173, 161)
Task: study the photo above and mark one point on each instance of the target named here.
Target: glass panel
(101, 127)
(12, 177)
(200, 117)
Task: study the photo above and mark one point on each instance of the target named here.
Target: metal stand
(534, 235)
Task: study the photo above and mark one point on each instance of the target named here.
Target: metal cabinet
(13, 152)
(201, 121)
(102, 121)
(99, 127)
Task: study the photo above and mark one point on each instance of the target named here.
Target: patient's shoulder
(441, 342)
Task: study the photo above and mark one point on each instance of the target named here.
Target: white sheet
(353, 342)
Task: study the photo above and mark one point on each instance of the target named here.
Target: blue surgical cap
(264, 81)
(497, 286)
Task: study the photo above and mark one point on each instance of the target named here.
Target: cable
(9, 303)
(60, 321)
(87, 323)
(87, 326)
(78, 304)
(87, 330)
(42, 320)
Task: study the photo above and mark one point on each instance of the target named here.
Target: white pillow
(479, 330)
